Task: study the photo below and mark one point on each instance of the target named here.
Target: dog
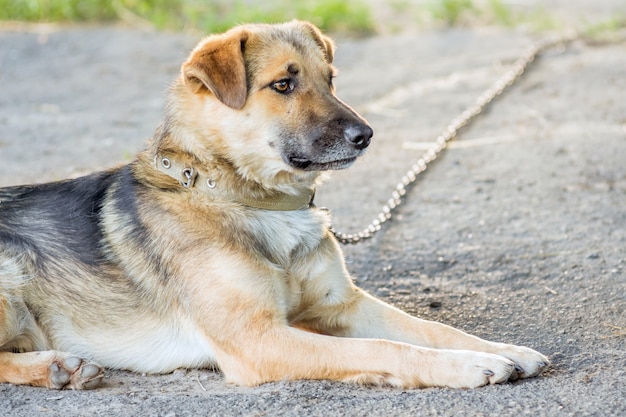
(207, 250)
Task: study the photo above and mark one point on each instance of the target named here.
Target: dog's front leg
(284, 352)
(371, 317)
(341, 309)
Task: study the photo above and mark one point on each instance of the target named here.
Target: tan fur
(191, 278)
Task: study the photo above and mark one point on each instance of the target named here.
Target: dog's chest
(285, 236)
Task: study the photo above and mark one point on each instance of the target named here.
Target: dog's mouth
(305, 164)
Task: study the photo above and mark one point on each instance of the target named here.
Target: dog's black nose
(359, 135)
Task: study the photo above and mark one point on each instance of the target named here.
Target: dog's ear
(325, 43)
(217, 66)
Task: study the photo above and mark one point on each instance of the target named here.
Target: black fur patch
(59, 219)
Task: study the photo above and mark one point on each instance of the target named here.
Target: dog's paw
(483, 369)
(528, 362)
(467, 369)
(71, 372)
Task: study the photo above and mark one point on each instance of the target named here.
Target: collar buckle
(189, 177)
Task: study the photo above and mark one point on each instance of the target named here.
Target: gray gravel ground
(517, 234)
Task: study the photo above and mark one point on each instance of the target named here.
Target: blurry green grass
(56, 10)
(350, 16)
(204, 15)
(487, 12)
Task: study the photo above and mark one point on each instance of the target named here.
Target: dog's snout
(359, 135)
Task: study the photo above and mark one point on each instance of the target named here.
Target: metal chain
(450, 132)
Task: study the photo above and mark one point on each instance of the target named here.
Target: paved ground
(518, 233)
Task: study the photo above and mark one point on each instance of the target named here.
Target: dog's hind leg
(49, 368)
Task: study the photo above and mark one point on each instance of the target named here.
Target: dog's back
(62, 215)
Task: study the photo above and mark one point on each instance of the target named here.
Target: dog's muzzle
(334, 145)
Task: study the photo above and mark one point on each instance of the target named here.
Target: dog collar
(189, 178)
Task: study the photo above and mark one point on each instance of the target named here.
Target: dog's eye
(283, 86)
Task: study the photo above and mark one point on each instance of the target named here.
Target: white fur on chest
(283, 233)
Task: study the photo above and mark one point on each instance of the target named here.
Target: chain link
(450, 132)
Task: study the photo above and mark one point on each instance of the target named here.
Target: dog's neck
(189, 177)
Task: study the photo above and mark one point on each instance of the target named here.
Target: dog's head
(263, 95)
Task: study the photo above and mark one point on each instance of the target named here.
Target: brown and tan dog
(205, 251)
